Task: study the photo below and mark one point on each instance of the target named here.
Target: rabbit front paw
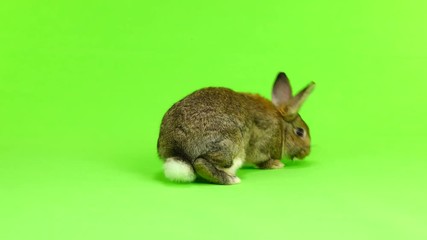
(271, 164)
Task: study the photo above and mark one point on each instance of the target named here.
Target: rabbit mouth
(300, 155)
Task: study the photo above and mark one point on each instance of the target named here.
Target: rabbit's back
(208, 109)
(202, 121)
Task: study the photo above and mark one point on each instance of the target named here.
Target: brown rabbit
(213, 131)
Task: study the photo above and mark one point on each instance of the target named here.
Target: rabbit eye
(299, 132)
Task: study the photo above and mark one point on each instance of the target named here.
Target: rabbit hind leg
(220, 161)
(207, 170)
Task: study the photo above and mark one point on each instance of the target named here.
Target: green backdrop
(84, 85)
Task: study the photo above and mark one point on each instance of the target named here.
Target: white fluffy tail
(178, 171)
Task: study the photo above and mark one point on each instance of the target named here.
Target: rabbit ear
(297, 101)
(282, 91)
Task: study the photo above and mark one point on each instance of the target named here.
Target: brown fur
(212, 126)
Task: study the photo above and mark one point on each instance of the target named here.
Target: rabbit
(212, 132)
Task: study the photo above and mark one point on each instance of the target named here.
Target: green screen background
(84, 85)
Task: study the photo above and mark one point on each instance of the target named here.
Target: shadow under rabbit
(160, 177)
(243, 173)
